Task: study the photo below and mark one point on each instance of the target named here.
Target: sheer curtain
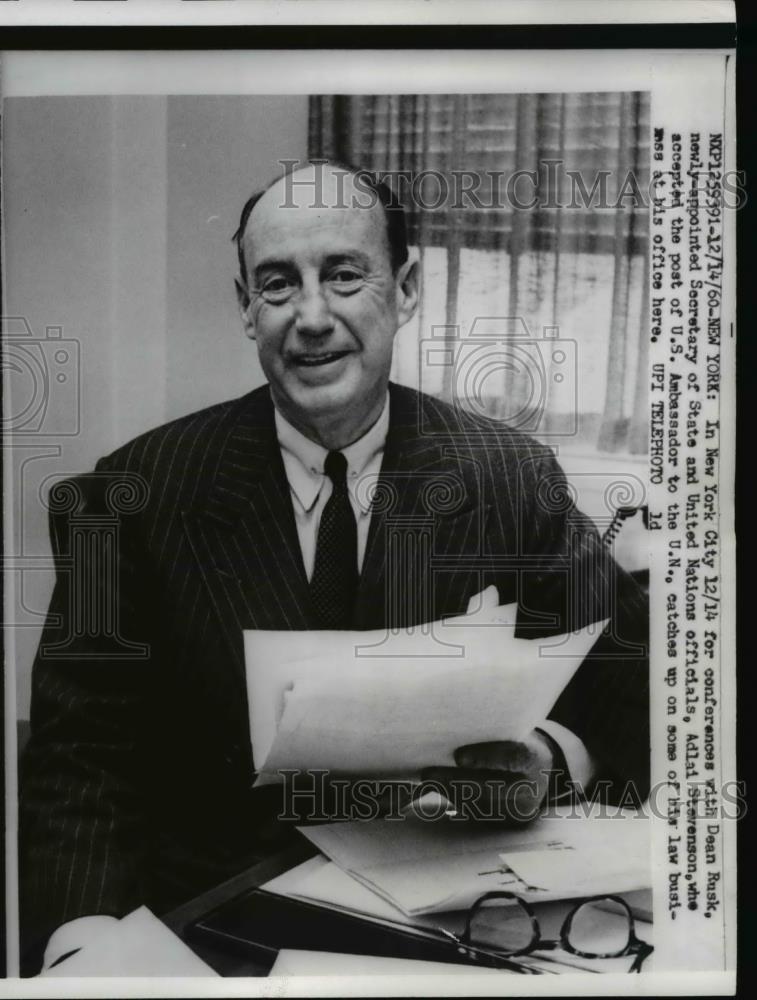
(553, 258)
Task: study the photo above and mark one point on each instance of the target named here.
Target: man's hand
(504, 780)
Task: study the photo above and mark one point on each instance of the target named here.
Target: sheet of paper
(392, 715)
(276, 659)
(291, 962)
(321, 881)
(575, 869)
(138, 945)
(426, 867)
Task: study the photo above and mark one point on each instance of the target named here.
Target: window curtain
(528, 213)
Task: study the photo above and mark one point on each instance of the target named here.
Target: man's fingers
(505, 779)
(460, 777)
(504, 754)
(439, 774)
(489, 793)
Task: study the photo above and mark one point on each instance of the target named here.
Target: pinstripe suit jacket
(136, 781)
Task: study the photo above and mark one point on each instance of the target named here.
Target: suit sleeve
(80, 819)
(575, 581)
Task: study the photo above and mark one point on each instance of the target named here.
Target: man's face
(321, 300)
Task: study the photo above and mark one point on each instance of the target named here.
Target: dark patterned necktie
(335, 573)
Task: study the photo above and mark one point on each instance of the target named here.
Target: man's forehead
(309, 203)
(316, 184)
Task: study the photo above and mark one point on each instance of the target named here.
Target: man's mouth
(316, 360)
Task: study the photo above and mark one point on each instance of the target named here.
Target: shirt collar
(304, 459)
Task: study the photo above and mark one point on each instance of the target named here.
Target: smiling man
(323, 292)
(253, 514)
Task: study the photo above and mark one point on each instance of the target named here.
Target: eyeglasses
(501, 924)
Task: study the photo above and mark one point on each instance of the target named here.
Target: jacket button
(233, 754)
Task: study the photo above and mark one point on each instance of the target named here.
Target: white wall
(118, 213)
(220, 150)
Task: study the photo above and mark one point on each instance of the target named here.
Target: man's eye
(345, 279)
(277, 289)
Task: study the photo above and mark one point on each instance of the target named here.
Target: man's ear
(245, 311)
(408, 290)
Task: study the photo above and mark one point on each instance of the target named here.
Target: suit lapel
(244, 536)
(425, 545)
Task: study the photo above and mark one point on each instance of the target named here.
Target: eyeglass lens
(600, 927)
(503, 925)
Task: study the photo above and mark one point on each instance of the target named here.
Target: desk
(225, 962)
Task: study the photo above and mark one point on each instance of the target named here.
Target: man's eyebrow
(356, 255)
(347, 255)
(273, 264)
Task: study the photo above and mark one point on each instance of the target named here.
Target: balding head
(331, 184)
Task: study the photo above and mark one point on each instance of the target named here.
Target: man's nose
(313, 316)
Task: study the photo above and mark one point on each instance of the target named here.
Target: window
(529, 214)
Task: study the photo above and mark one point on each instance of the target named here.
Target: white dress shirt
(311, 487)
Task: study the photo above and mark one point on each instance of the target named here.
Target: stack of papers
(427, 867)
(319, 880)
(407, 874)
(391, 703)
